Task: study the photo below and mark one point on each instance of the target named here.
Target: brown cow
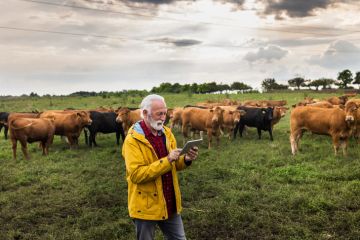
(335, 122)
(175, 117)
(264, 103)
(208, 120)
(278, 113)
(128, 117)
(356, 102)
(321, 104)
(231, 117)
(69, 124)
(28, 130)
(338, 100)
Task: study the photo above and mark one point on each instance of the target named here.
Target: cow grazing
(69, 124)
(28, 130)
(3, 123)
(335, 122)
(260, 118)
(209, 120)
(104, 122)
(128, 117)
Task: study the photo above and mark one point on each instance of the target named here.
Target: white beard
(157, 125)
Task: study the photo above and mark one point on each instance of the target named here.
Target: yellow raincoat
(143, 173)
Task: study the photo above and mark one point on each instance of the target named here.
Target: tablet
(190, 144)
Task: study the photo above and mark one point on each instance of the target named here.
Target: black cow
(3, 123)
(259, 118)
(104, 122)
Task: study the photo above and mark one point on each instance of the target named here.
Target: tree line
(343, 81)
(202, 88)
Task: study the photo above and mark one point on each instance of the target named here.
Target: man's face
(157, 115)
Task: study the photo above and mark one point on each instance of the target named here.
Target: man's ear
(145, 112)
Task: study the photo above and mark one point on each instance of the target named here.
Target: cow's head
(343, 99)
(84, 117)
(351, 109)
(217, 115)
(279, 112)
(237, 115)
(122, 115)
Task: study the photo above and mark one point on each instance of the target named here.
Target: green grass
(245, 189)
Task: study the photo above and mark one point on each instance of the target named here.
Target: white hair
(147, 102)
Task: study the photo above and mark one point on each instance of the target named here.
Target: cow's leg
(336, 144)
(259, 132)
(6, 130)
(43, 146)
(271, 135)
(86, 136)
(14, 145)
(184, 131)
(24, 149)
(118, 138)
(242, 126)
(70, 140)
(94, 140)
(209, 133)
(344, 145)
(236, 129)
(217, 134)
(294, 141)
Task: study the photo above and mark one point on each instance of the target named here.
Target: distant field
(246, 189)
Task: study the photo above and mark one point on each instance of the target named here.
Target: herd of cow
(336, 116)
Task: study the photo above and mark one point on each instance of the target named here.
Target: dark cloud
(339, 54)
(178, 42)
(268, 54)
(295, 8)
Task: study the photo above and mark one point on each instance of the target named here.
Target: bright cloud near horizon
(63, 46)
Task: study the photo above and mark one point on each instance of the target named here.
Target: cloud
(339, 54)
(268, 54)
(294, 8)
(178, 42)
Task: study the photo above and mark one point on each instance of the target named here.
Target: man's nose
(163, 117)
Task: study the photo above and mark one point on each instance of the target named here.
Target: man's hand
(192, 154)
(174, 155)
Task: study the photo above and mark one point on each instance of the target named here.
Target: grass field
(246, 189)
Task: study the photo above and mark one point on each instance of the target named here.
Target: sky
(63, 46)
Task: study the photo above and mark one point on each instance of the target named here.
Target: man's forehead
(158, 105)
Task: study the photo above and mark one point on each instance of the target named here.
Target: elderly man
(152, 160)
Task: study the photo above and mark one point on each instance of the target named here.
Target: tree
(33, 94)
(239, 86)
(315, 83)
(345, 77)
(357, 79)
(223, 87)
(297, 82)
